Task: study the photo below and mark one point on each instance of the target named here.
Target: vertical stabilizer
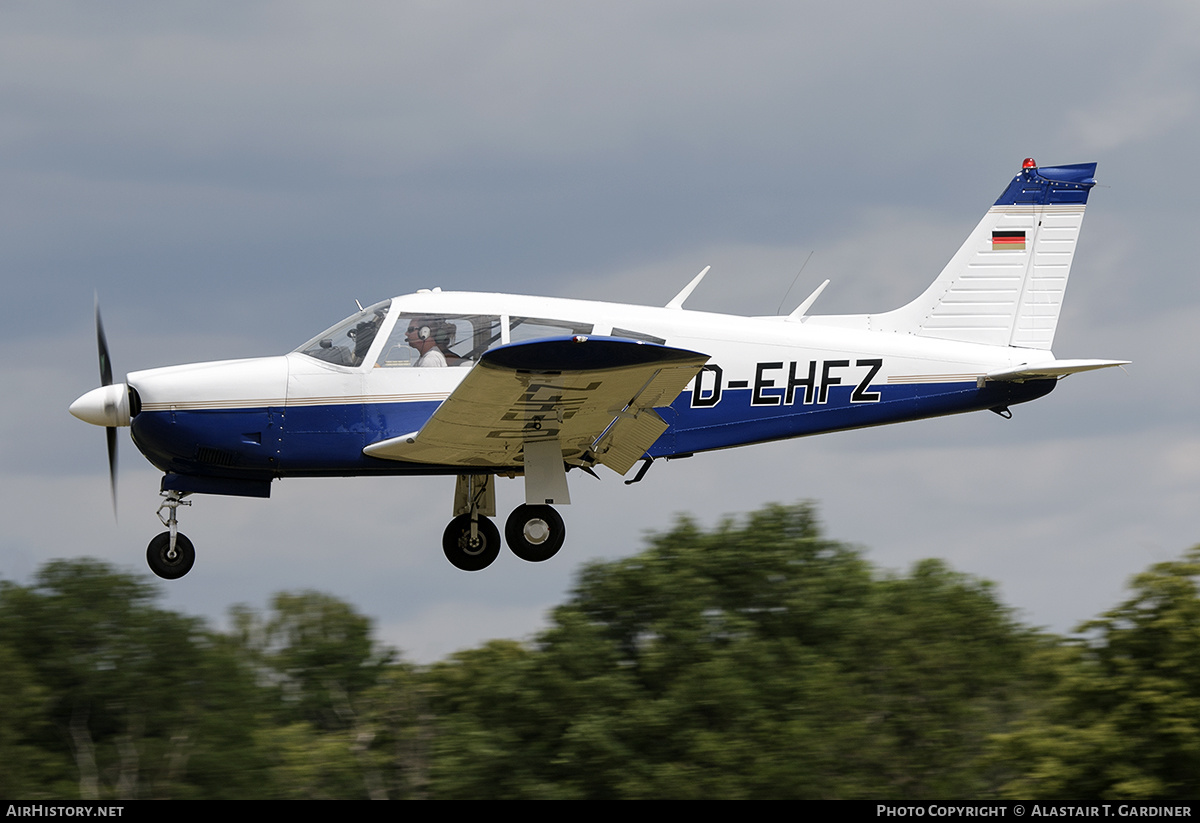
(1005, 285)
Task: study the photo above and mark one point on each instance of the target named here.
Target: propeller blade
(111, 434)
(106, 380)
(102, 346)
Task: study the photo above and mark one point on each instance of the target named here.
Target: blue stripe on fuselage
(328, 440)
(734, 421)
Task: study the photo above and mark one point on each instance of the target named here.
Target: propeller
(111, 405)
(110, 432)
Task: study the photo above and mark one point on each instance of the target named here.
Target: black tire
(166, 567)
(465, 554)
(535, 533)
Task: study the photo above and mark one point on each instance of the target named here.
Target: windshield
(347, 343)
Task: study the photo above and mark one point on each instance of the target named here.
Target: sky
(229, 177)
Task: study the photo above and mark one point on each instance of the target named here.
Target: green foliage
(108, 696)
(135, 699)
(321, 669)
(317, 651)
(757, 660)
(1123, 716)
(26, 767)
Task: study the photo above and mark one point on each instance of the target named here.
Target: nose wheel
(171, 555)
(170, 563)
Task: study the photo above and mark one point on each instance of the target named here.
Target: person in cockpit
(431, 338)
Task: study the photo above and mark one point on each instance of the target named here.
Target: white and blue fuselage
(233, 426)
(479, 385)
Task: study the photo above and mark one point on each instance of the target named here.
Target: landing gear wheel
(535, 533)
(465, 553)
(158, 555)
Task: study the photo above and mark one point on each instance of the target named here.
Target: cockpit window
(347, 343)
(433, 340)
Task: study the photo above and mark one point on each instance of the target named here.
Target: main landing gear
(535, 533)
(170, 554)
(472, 542)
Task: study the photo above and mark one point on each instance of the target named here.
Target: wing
(594, 395)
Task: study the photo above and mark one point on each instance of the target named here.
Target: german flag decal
(1008, 241)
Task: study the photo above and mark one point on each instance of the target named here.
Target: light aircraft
(487, 385)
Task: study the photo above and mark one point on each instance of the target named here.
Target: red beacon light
(1029, 163)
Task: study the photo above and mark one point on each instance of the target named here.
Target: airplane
(482, 386)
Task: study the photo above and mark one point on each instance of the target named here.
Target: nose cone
(105, 406)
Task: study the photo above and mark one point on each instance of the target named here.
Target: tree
(315, 655)
(138, 699)
(28, 768)
(757, 660)
(1122, 718)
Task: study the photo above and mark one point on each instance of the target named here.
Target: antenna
(677, 300)
(801, 310)
(797, 278)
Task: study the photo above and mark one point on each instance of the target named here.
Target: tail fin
(1005, 285)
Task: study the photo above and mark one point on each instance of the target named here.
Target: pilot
(429, 337)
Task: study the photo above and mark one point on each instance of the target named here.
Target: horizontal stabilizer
(1053, 368)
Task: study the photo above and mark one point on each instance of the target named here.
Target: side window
(439, 340)
(532, 328)
(637, 335)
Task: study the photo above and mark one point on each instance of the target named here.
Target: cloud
(231, 178)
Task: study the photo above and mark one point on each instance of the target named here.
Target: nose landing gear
(171, 555)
